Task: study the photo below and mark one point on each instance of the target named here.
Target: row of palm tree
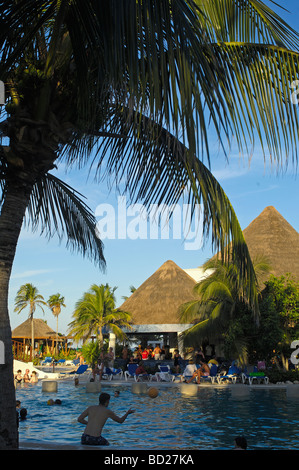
(131, 88)
(94, 313)
(28, 296)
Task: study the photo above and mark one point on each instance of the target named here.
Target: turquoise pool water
(210, 420)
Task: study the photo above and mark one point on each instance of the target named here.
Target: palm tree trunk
(56, 352)
(101, 338)
(11, 220)
(32, 337)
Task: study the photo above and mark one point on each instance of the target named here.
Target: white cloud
(33, 272)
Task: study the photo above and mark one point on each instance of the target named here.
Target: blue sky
(52, 268)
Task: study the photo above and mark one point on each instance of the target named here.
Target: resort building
(154, 305)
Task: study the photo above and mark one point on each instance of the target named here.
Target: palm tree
(221, 298)
(138, 82)
(55, 302)
(28, 296)
(96, 312)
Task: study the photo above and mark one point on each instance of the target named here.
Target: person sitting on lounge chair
(189, 370)
(203, 370)
(140, 371)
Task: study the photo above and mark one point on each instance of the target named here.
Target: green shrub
(276, 375)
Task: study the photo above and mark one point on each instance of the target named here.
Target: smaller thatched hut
(43, 335)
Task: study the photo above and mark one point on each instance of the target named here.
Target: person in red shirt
(145, 354)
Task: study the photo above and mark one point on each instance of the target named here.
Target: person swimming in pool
(97, 417)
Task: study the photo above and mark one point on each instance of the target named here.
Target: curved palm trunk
(100, 338)
(56, 311)
(11, 220)
(32, 336)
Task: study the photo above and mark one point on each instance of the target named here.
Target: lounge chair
(48, 360)
(110, 373)
(60, 362)
(81, 369)
(164, 373)
(130, 372)
(233, 374)
(213, 374)
(254, 375)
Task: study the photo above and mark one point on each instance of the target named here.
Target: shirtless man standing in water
(97, 417)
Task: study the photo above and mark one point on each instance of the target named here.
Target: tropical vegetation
(279, 320)
(222, 316)
(220, 299)
(95, 313)
(130, 89)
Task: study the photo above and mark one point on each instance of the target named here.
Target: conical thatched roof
(157, 300)
(41, 330)
(272, 236)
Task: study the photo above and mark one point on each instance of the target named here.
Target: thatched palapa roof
(41, 330)
(272, 236)
(157, 300)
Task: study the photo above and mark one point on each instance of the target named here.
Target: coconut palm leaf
(95, 311)
(57, 209)
(27, 296)
(219, 295)
(188, 62)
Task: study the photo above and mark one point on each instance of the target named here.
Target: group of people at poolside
(148, 352)
(26, 377)
(194, 370)
(104, 360)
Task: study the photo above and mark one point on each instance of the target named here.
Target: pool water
(210, 420)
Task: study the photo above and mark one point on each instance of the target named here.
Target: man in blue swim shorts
(97, 416)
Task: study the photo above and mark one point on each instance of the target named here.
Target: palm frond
(182, 63)
(57, 209)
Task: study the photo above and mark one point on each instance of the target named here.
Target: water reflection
(208, 420)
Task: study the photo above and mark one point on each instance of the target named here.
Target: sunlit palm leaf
(58, 210)
(183, 63)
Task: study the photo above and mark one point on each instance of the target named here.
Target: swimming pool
(210, 420)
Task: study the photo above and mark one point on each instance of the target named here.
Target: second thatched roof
(158, 299)
(272, 236)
